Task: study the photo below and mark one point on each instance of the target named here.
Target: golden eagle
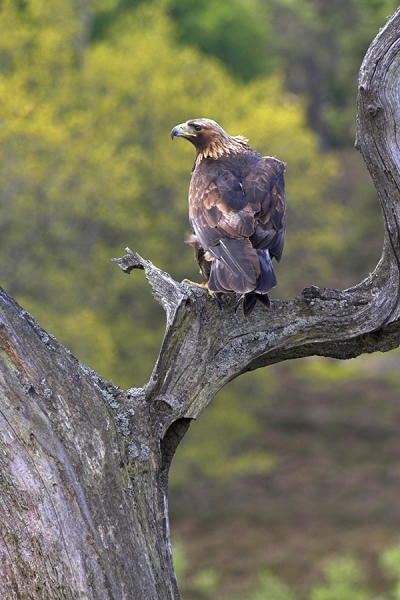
(237, 212)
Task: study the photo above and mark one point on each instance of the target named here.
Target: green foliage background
(87, 168)
(343, 579)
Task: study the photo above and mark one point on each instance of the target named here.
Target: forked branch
(205, 347)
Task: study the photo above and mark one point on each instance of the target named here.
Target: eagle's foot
(203, 286)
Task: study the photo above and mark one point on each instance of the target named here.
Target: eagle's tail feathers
(250, 300)
(264, 299)
(236, 266)
(267, 278)
(235, 262)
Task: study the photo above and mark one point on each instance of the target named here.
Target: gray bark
(84, 465)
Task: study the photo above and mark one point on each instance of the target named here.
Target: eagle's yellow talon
(203, 286)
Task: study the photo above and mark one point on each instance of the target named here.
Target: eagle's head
(209, 139)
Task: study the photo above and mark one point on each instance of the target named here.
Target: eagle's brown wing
(237, 213)
(270, 220)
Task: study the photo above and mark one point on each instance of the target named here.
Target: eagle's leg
(204, 286)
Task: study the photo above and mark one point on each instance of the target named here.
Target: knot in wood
(311, 293)
(373, 109)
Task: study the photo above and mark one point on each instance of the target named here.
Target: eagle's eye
(198, 127)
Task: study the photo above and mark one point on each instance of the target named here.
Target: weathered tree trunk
(84, 465)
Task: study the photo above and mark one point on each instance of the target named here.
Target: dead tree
(84, 465)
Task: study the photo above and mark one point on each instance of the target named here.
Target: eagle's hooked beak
(183, 130)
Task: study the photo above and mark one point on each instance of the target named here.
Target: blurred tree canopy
(87, 167)
(317, 44)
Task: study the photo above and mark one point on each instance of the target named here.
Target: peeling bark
(83, 512)
(84, 465)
